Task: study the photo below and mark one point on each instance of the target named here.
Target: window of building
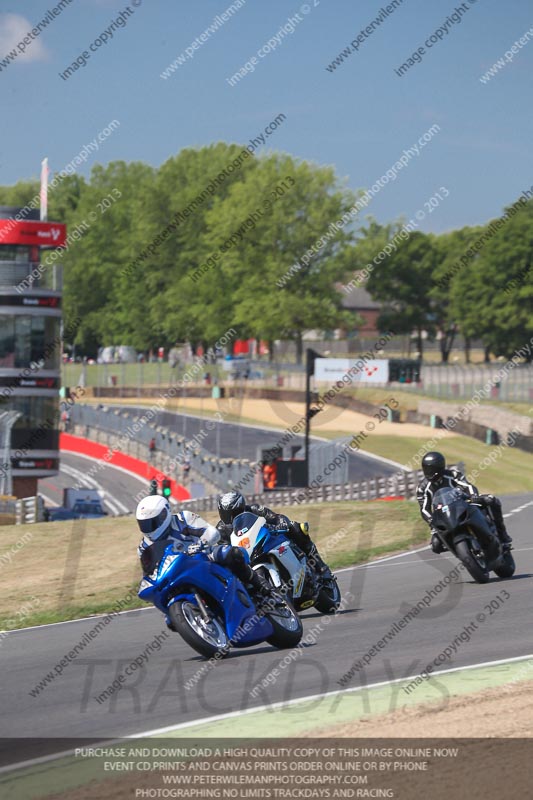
(14, 253)
(27, 340)
(37, 427)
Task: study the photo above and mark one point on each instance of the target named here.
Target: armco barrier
(397, 486)
(126, 427)
(76, 444)
(29, 509)
(133, 430)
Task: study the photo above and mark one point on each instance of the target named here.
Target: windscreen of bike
(244, 522)
(446, 497)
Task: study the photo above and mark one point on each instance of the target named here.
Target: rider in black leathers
(231, 504)
(438, 477)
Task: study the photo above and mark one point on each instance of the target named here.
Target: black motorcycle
(465, 530)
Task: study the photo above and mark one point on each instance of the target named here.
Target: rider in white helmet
(156, 521)
(191, 533)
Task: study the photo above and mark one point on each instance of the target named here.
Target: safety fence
(461, 382)
(400, 485)
(176, 455)
(446, 381)
(29, 509)
(21, 512)
(172, 453)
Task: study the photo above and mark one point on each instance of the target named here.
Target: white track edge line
(245, 712)
(80, 619)
(309, 698)
(107, 464)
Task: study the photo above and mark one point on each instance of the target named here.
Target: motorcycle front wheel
(475, 563)
(207, 638)
(288, 629)
(507, 568)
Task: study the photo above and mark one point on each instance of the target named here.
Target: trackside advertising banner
(330, 370)
(32, 232)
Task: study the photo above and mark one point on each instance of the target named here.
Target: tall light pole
(7, 420)
(310, 356)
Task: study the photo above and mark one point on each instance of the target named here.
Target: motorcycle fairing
(179, 574)
(452, 514)
(260, 542)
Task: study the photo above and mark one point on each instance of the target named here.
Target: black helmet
(230, 505)
(433, 465)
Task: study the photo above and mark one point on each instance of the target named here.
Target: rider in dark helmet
(231, 504)
(436, 476)
(433, 465)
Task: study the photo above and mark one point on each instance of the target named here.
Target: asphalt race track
(243, 441)
(155, 696)
(118, 487)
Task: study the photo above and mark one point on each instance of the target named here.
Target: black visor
(432, 472)
(148, 526)
(226, 515)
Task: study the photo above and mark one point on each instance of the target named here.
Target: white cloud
(13, 29)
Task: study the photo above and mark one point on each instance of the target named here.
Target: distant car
(237, 366)
(117, 354)
(79, 511)
(78, 504)
(245, 371)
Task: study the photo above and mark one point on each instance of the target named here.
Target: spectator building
(30, 347)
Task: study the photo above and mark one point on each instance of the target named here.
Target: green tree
(492, 297)
(451, 249)
(20, 194)
(278, 257)
(103, 227)
(184, 190)
(403, 283)
(64, 198)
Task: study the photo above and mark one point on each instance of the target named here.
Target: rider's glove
(194, 548)
(225, 530)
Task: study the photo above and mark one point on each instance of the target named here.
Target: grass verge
(510, 471)
(65, 570)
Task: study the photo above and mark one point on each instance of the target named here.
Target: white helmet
(153, 516)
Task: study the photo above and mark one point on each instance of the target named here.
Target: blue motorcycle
(209, 607)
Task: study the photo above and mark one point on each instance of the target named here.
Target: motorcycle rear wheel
(507, 569)
(475, 566)
(329, 598)
(208, 639)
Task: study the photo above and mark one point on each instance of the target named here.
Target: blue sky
(358, 118)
